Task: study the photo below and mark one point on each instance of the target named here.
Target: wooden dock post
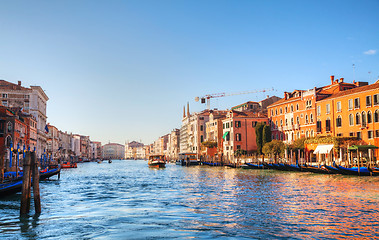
(36, 194)
(26, 184)
(1, 168)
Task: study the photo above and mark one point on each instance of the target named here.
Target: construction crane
(207, 98)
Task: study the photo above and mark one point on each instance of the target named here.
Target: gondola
(292, 167)
(49, 173)
(374, 171)
(213, 164)
(362, 171)
(256, 166)
(332, 169)
(10, 187)
(269, 166)
(314, 169)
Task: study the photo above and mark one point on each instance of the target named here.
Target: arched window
(280, 110)
(293, 137)
(298, 120)
(276, 111)
(291, 121)
(306, 134)
(311, 118)
(376, 115)
(276, 124)
(364, 119)
(9, 127)
(8, 141)
(285, 110)
(357, 119)
(286, 122)
(312, 133)
(291, 108)
(369, 117)
(339, 121)
(286, 136)
(351, 119)
(297, 107)
(298, 135)
(281, 122)
(306, 119)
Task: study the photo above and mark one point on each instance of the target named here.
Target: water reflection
(128, 200)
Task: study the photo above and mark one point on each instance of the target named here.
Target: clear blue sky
(123, 70)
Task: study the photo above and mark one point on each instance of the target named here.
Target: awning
(362, 147)
(225, 134)
(323, 149)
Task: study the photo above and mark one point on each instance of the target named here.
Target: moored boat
(10, 187)
(361, 171)
(332, 169)
(157, 161)
(256, 166)
(292, 167)
(49, 173)
(316, 169)
(187, 159)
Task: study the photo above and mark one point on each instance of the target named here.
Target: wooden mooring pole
(30, 171)
(37, 199)
(26, 184)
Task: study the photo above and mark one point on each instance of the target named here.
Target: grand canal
(127, 200)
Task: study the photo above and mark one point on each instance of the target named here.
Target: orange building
(294, 116)
(239, 132)
(351, 113)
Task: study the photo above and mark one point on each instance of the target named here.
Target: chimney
(188, 112)
(19, 83)
(285, 95)
(184, 111)
(341, 80)
(332, 79)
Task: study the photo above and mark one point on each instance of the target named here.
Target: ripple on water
(128, 200)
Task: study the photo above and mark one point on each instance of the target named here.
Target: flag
(47, 129)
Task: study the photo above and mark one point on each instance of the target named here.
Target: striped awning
(323, 149)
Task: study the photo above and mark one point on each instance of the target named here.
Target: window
(238, 136)
(298, 135)
(276, 123)
(237, 124)
(5, 95)
(318, 110)
(370, 134)
(9, 127)
(311, 118)
(364, 119)
(306, 119)
(291, 121)
(356, 103)
(298, 120)
(351, 134)
(201, 138)
(238, 147)
(286, 122)
(272, 112)
(297, 107)
(201, 127)
(351, 119)
(291, 108)
(357, 119)
(376, 99)
(368, 101)
(281, 122)
(369, 117)
(227, 125)
(318, 125)
(377, 133)
(339, 134)
(285, 110)
(276, 111)
(4, 102)
(376, 115)
(280, 111)
(359, 135)
(327, 125)
(306, 134)
(223, 126)
(227, 138)
(327, 108)
(339, 109)
(339, 121)
(350, 104)
(254, 123)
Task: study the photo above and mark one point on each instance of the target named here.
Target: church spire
(188, 112)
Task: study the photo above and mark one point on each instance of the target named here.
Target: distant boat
(69, 165)
(157, 161)
(187, 159)
(99, 161)
(109, 161)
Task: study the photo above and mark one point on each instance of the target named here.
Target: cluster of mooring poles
(30, 177)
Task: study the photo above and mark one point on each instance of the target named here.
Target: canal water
(128, 200)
